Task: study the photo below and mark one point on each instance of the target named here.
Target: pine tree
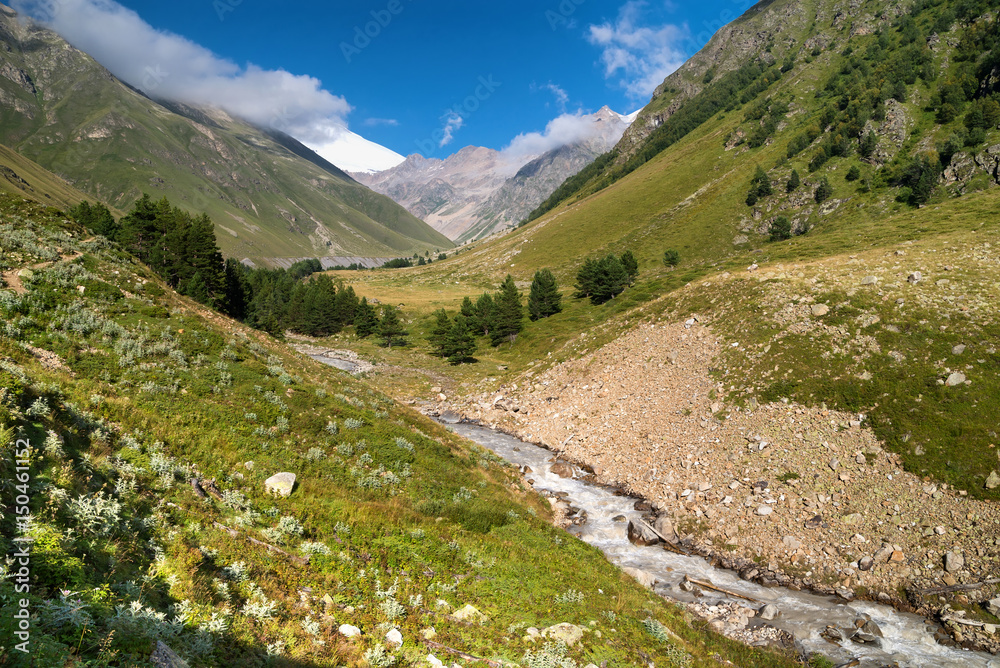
(781, 229)
(509, 313)
(460, 343)
(469, 311)
(346, 305)
(544, 299)
(631, 266)
(391, 329)
(439, 333)
(793, 182)
(486, 314)
(823, 191)
(586, 278)
(366, 320)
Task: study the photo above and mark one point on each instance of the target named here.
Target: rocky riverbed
(799, 495)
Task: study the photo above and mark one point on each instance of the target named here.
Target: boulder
(768, 612)
(562, 469)
(665, 526)
(639, 534)
(469, 614)
(394, 637)
(954, 561)
(164, 657)
(647, 580)
(349, 631)
(955, 379)
(820, 310)
(915, 277)
(994, 606)
(280, 484)
(568, 633)
(993, 481)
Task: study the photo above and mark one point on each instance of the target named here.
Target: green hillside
(21, 176)
(923, 178)
(147, 427)
(66, 112)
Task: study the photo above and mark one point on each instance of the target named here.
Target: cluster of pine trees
(499, 317)
(603, 279)
(181, 248)
(389, 327)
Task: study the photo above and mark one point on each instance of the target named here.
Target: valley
(752, 329)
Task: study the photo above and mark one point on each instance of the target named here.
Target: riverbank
(784, 490)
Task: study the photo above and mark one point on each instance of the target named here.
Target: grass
(394, 510)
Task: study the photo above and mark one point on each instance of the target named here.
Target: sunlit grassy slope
(128, 392)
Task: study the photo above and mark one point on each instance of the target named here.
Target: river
(908, 642)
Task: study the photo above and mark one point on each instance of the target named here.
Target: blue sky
(428, 77)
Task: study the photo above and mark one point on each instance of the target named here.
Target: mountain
(269, 195)
(353, 153)
(841, 155)
(479, 191)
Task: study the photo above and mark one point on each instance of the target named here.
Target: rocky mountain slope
(478, 191)
(268, 195)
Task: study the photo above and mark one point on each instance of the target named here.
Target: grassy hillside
(66, 112)
(148, 426)
(21, 176)
(692, 197)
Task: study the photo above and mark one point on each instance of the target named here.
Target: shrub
(823, 191)
(671, 258)
(781, 229)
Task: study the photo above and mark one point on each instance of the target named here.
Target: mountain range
(270, 196)
(479, 191)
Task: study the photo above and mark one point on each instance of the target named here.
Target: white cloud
(638, 56)
(562, 97)
(372, 122)
(167, 66)
(453, 122)
(562, 131)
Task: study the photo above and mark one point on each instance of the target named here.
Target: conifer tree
(469, 311)
(509, 313)
(544, 299)
(439, 333)
(460, 343)
(366, 320)
(391, 330)
(793, 182)
(631, 266)
(486, 314)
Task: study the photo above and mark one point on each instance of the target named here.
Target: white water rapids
(908, 642)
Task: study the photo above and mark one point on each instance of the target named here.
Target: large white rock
(647, 580)
(280, 483)
(349, 631)
(394, 637)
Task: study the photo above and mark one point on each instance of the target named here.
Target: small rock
(434, 661)
(993, 481)
(436, 390)
(994, 606)
(280, 483)
(820, 310)
(349, 631)
(469, 614)
(428, 633)
(665, 527)
(955, 379)
(958, 350)
(764, 511)
(866, 563)
(861, 459)
(568, 633)
(869, 280)
(768, 612)
(897, 557)
(834, 464)
(954, 561)
(791, 543)
(915, 277)
(394, 637)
